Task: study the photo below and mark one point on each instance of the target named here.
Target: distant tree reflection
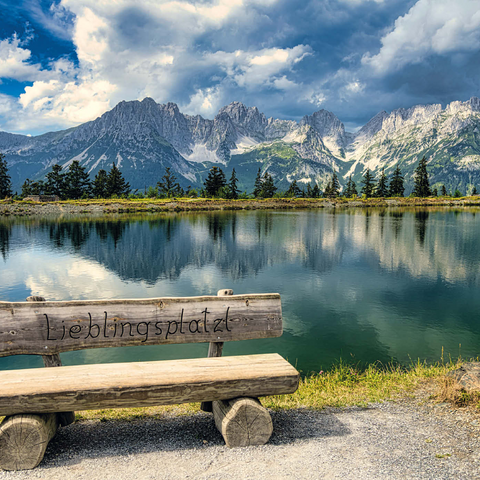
(5, 230)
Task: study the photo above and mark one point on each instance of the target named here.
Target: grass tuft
(350, 385)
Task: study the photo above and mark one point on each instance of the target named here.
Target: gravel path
(385, 441)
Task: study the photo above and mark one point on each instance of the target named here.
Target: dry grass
(343, 385)
(347, 385)
(449, 390)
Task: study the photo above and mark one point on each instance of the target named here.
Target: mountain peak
(148, 100)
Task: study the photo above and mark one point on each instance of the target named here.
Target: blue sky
(66, 62)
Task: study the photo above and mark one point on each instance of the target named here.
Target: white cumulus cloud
(15, 60)
(429, 27)
(128, 50)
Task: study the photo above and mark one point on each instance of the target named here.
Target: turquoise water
(362, 285)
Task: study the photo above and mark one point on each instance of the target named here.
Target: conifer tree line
(75, 183)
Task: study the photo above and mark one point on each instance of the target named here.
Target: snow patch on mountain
(244, 144)
(200, 153)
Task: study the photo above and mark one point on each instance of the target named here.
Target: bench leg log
(24, 439)
(242, 422)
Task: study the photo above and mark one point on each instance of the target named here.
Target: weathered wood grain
(215, 349)
(87, 387)
(24, 438)
(64, 418)
(48, 328)
(242, 422)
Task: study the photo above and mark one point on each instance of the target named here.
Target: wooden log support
(64, 418)
(242, 422)
(215, 349)
(24, 439)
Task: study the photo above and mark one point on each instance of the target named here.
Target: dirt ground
(392, 440)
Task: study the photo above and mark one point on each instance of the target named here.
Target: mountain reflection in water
(364, 285)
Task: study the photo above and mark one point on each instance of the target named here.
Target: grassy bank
(342, 386)
(99, 206)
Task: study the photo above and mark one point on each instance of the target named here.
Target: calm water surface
(362, 285)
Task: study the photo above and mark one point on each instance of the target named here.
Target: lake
(363, 285)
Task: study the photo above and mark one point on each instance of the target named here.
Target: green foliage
(293, 190)
(421, 186)
(350, 189)
(457, 193)
(313, 192)
(332, 189)
(268, 186)
(232, 186)
(382, 190)
(444, 191)
(100, 185)
(368, 188)
(214, 182)
(151, 192)
(116, 184)
(397, 188)
(435, 192)
(257, 189)
(474, 191)
(5, 180)
(55, 184)
(32, 188)
(77, 181)
(168, 187)
(191, 192)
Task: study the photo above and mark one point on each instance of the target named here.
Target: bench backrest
(48, 328)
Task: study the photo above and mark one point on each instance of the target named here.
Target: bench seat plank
(90, 387)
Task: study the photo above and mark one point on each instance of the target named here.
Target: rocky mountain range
(144, 137)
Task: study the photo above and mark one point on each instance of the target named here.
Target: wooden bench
(35, 402)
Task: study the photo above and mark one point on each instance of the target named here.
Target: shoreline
(113, 206)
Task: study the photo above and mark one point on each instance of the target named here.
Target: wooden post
(64, 418)
(24, 438)
(215, 349)
(242, 422)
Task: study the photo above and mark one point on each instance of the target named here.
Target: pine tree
(316, 191)
(293, 190)
(444, 191)
(474, 191)
(55, 184)
(382, 188)
(327, 193)
(257, 188)
(116, 184)
(421, 186)
(232, 186)
(309, 191)
(5, 181)
(368, 188)
(435, 192)
(100, 185)
(77, 182)
(26, 188)
(397, 188)
(168, 187)
(215, 181)
(350, 189)
(335, 186)
(268, 186)
(37, 188)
